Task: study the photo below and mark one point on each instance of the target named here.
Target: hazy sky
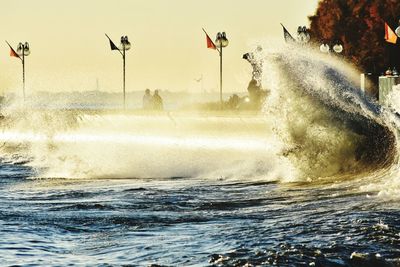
(70, 51)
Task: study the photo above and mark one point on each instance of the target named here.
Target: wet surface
(191, 222)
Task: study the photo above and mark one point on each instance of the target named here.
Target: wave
(330, 127)
(315, 124)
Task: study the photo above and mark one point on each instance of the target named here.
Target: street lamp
(221, 41)
(124, 46)
(303, 36)
(337, 47)
(22, 51)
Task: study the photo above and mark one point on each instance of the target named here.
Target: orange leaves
(359, 24)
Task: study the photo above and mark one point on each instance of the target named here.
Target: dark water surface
(191, 222)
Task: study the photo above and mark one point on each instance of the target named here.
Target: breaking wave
(329, 126)
(316, 123)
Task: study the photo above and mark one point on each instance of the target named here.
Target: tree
(359, 25)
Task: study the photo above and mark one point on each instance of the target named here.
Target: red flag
(390, 36)
(12, 52)
(210, 43)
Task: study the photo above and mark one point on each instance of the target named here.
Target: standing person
(147, 100)
(157, 101)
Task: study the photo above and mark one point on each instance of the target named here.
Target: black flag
(113, 46)
(288, 37)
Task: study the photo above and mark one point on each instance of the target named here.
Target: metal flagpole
(123, 59)
(220, 74)
(124, 46)
(22, 51)
(23, 73)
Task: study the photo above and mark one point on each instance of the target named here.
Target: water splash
(137, 146)
(329, 127)
(316, 123)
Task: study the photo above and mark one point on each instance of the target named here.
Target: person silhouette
(157, 101)
(147, 100)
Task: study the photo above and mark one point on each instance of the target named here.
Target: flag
(288, 37)
(12, 52)
(112, 45)
(210, 43)
(390, 36)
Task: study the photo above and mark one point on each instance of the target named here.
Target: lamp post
(221, 41)
(22, 51)
(124, 46)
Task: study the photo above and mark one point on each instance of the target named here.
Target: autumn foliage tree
(359, 25)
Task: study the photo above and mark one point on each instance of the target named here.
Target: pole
(23, 71)
(123, 59)
(220, 75)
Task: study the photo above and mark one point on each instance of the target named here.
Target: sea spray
(330, 128)
(147, 146)
(315, 123)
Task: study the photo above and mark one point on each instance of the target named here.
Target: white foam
(138, 146)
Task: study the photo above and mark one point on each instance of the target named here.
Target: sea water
(312, 180)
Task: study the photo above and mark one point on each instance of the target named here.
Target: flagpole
(221, 41)
(22, 51)
(23, 75)
(220, 75)
(123, 59)
(124, 46)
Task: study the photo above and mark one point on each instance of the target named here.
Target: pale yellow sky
(70, 51)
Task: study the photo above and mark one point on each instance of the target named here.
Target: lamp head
(397, 31)
(324, 48)
(20, 49)
(218, 39)
(338, 48)
(221, 40)
(127, 45)
(299, 29)
(27, 51)
(224, 40)
(303, 36)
